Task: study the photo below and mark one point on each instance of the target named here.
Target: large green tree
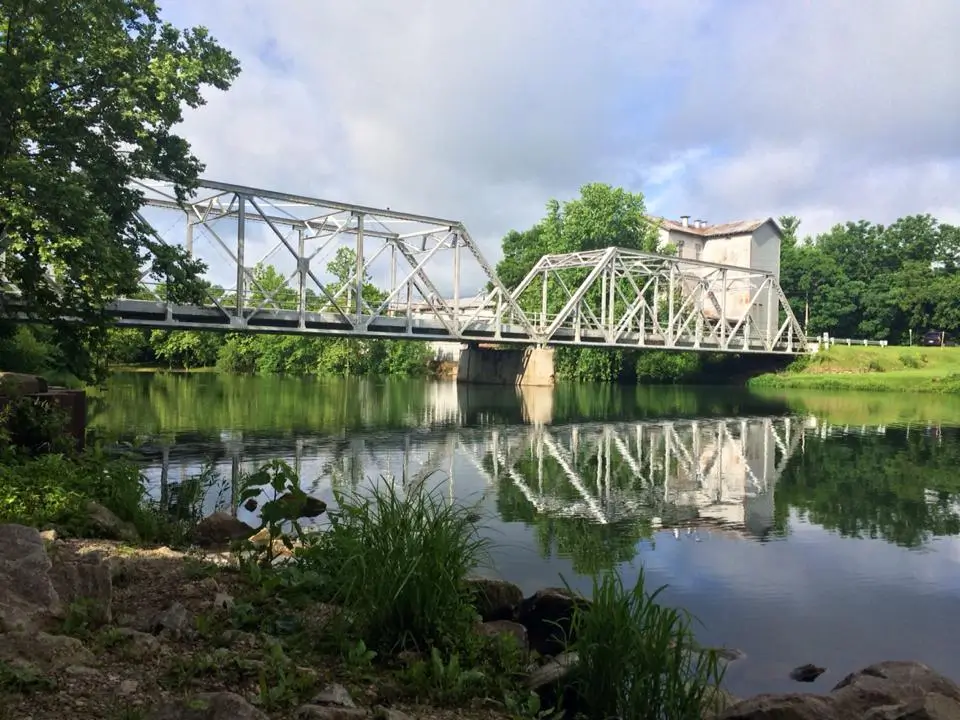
(602, 216)
(90, 92)
(864, 280)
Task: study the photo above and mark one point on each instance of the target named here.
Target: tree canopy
(865, 280)
(91, 91)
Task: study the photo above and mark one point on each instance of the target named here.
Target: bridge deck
(152, 314)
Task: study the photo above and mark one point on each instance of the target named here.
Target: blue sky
(721, 109)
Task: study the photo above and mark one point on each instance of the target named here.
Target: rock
(795, 706)
(548, 615)
(52, 652)
(893, 690)
(222, 601)
(14, 384)
(329, 712)
(494, 599)
(127, 687)
(208, 706)
(806, 673)
(28, 598)
(220, 529)
(174, 621)
(139, 644)
(82, 671)
(108, 526)
(890, 683)
(85, 578)
(48, 536)
(382, 713)
(334, 694)
(505, 627)
(930, 707)
(305, 506)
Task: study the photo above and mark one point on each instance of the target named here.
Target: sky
(720, 109)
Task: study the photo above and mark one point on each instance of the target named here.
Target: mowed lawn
(904, 369)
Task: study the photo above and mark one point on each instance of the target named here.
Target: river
(797, 527)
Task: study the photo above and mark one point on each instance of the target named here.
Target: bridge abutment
(529, 366)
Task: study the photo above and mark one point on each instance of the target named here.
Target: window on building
(699, 248)
(680, 249)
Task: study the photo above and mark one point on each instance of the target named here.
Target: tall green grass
(638, 659)
(399, 562)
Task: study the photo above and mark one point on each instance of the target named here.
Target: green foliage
(661, 366)
(602, 216)
(98, 88)
(444, 681)
(862, 280)
(398, 561)
(54, 490)
(33, 426)
(638, 659)
(22, 678)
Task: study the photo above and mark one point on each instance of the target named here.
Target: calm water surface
(798, 527)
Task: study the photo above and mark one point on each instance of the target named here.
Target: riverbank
(873, 369)
(376, 616)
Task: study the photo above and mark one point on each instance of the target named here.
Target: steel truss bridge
(717, 471)
(427, 266)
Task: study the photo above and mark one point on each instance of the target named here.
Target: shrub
(54, 490)
(399, 563)
(637, 658)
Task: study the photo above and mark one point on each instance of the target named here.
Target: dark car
(937, 337)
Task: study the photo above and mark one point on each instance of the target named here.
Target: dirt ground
(135, 668)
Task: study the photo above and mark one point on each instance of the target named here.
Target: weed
(443, 681)
(22, 678)
(358, 657)
(910, 361)
(399, 563)
(637, 658)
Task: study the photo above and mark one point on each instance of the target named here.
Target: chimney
(685, 220)
(703, 223)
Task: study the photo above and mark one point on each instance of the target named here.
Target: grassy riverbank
(381, 603)
(894, 369)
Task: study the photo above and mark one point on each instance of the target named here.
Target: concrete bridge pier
(527, 366)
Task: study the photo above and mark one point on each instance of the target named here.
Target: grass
(873, 369)
(639, 659)
(400, 563)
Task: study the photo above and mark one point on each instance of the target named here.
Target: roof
(738, 227)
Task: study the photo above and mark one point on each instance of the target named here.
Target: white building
(753, 244)
(746, 243)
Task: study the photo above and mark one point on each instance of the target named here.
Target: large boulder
(221, 528)
(108, 526)
(548, 616)
(85, 578)
(893, 690)
(50, 652)
(28, 598)
(494, 599)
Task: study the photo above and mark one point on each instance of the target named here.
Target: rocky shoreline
(104, 629)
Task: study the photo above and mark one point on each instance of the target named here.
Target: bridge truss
(418, 277)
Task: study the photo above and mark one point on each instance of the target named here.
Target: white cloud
(485, 111)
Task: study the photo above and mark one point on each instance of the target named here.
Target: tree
(91, 91)
(601, 217)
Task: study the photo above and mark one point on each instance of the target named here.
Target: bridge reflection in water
(670, 473)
